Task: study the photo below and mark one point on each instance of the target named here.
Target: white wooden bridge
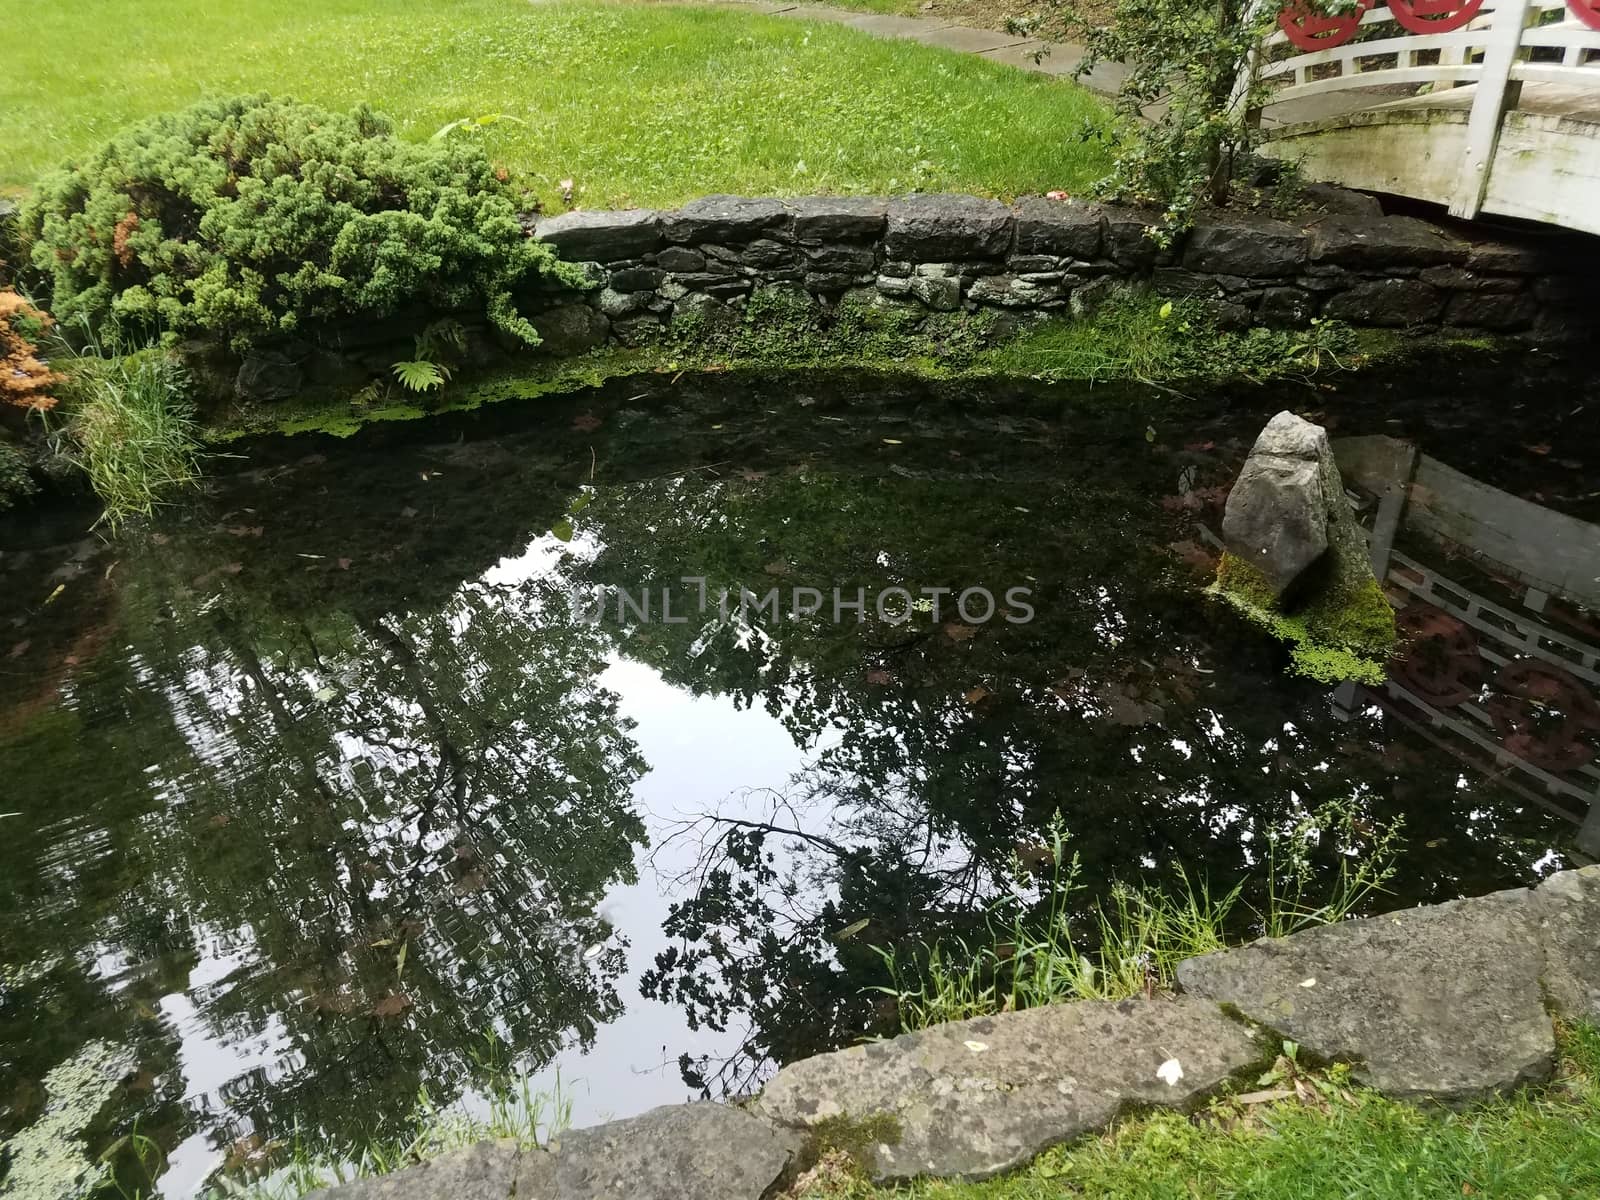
(1487, 106)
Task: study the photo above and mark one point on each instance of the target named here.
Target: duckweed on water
(47, 1160)
(1343, 633)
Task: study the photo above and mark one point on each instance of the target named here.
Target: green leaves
(420, 375)
(475, 124)
(251, 216)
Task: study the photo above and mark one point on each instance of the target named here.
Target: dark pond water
(324, 791)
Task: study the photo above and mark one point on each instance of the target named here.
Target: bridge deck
(1546, 165)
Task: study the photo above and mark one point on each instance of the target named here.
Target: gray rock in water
(487, 1171)
(1440, 1002)
(1567, 909)
(975, 1098)
(1278, 512)
(707, 1151)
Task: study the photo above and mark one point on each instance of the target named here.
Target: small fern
(440, 339)
(420, 375)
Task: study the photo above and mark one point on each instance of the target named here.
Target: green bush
(250, 216)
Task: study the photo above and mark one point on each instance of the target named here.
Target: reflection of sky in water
(704, 753)
(1232, 748)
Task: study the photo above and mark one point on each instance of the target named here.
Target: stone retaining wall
(1343, 259)
(1448, 1003)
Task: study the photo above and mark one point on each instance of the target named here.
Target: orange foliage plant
(25, 379)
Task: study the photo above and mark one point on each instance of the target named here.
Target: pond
(329, 788)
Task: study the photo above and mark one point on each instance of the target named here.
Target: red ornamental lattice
(1311, 30)
(1434, 16)
(1440, 664)
(1542, 714)
(1587, 11)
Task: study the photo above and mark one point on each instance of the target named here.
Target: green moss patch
(1345, 631)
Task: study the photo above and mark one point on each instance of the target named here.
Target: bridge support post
(1496, 94)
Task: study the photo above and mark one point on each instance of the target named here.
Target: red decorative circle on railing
(1587, 11)
(1543, 714)
(1434, 16)
(1312, 30)
(1441, 664)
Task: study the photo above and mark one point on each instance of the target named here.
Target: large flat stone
(1379, 242)
(487, 1171)
(1397, 302)
(585, 236)
(1440, 1002)
(1068, 228)
(707, 1151)
(974, 1098)
(1566, 908)
(938, 228)
(1128, 242)
(819, 219)
(1254, 247)
(721, 219)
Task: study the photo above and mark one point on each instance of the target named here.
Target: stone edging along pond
(1446, 1003)
(934, 258)
(1346, 260)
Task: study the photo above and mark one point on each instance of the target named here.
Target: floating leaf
(562, 530)
(850, 930)
(392, 1005)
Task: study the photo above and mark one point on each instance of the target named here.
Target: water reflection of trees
(397, 828)
(1168, 739)
(357, 753)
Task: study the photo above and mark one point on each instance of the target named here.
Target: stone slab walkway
(1026, 54)
(1446, 1003)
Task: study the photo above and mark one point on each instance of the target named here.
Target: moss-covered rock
(1330, 608)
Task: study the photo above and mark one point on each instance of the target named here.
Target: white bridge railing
(1496, 45)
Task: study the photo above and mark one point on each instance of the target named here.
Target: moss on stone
(783, 326)
(344, 416)
(853, 1138)
(1345, 631)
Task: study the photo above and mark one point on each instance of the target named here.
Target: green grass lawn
(643, 104)
(1344, 1145)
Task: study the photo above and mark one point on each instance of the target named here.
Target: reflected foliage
(317, 784)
